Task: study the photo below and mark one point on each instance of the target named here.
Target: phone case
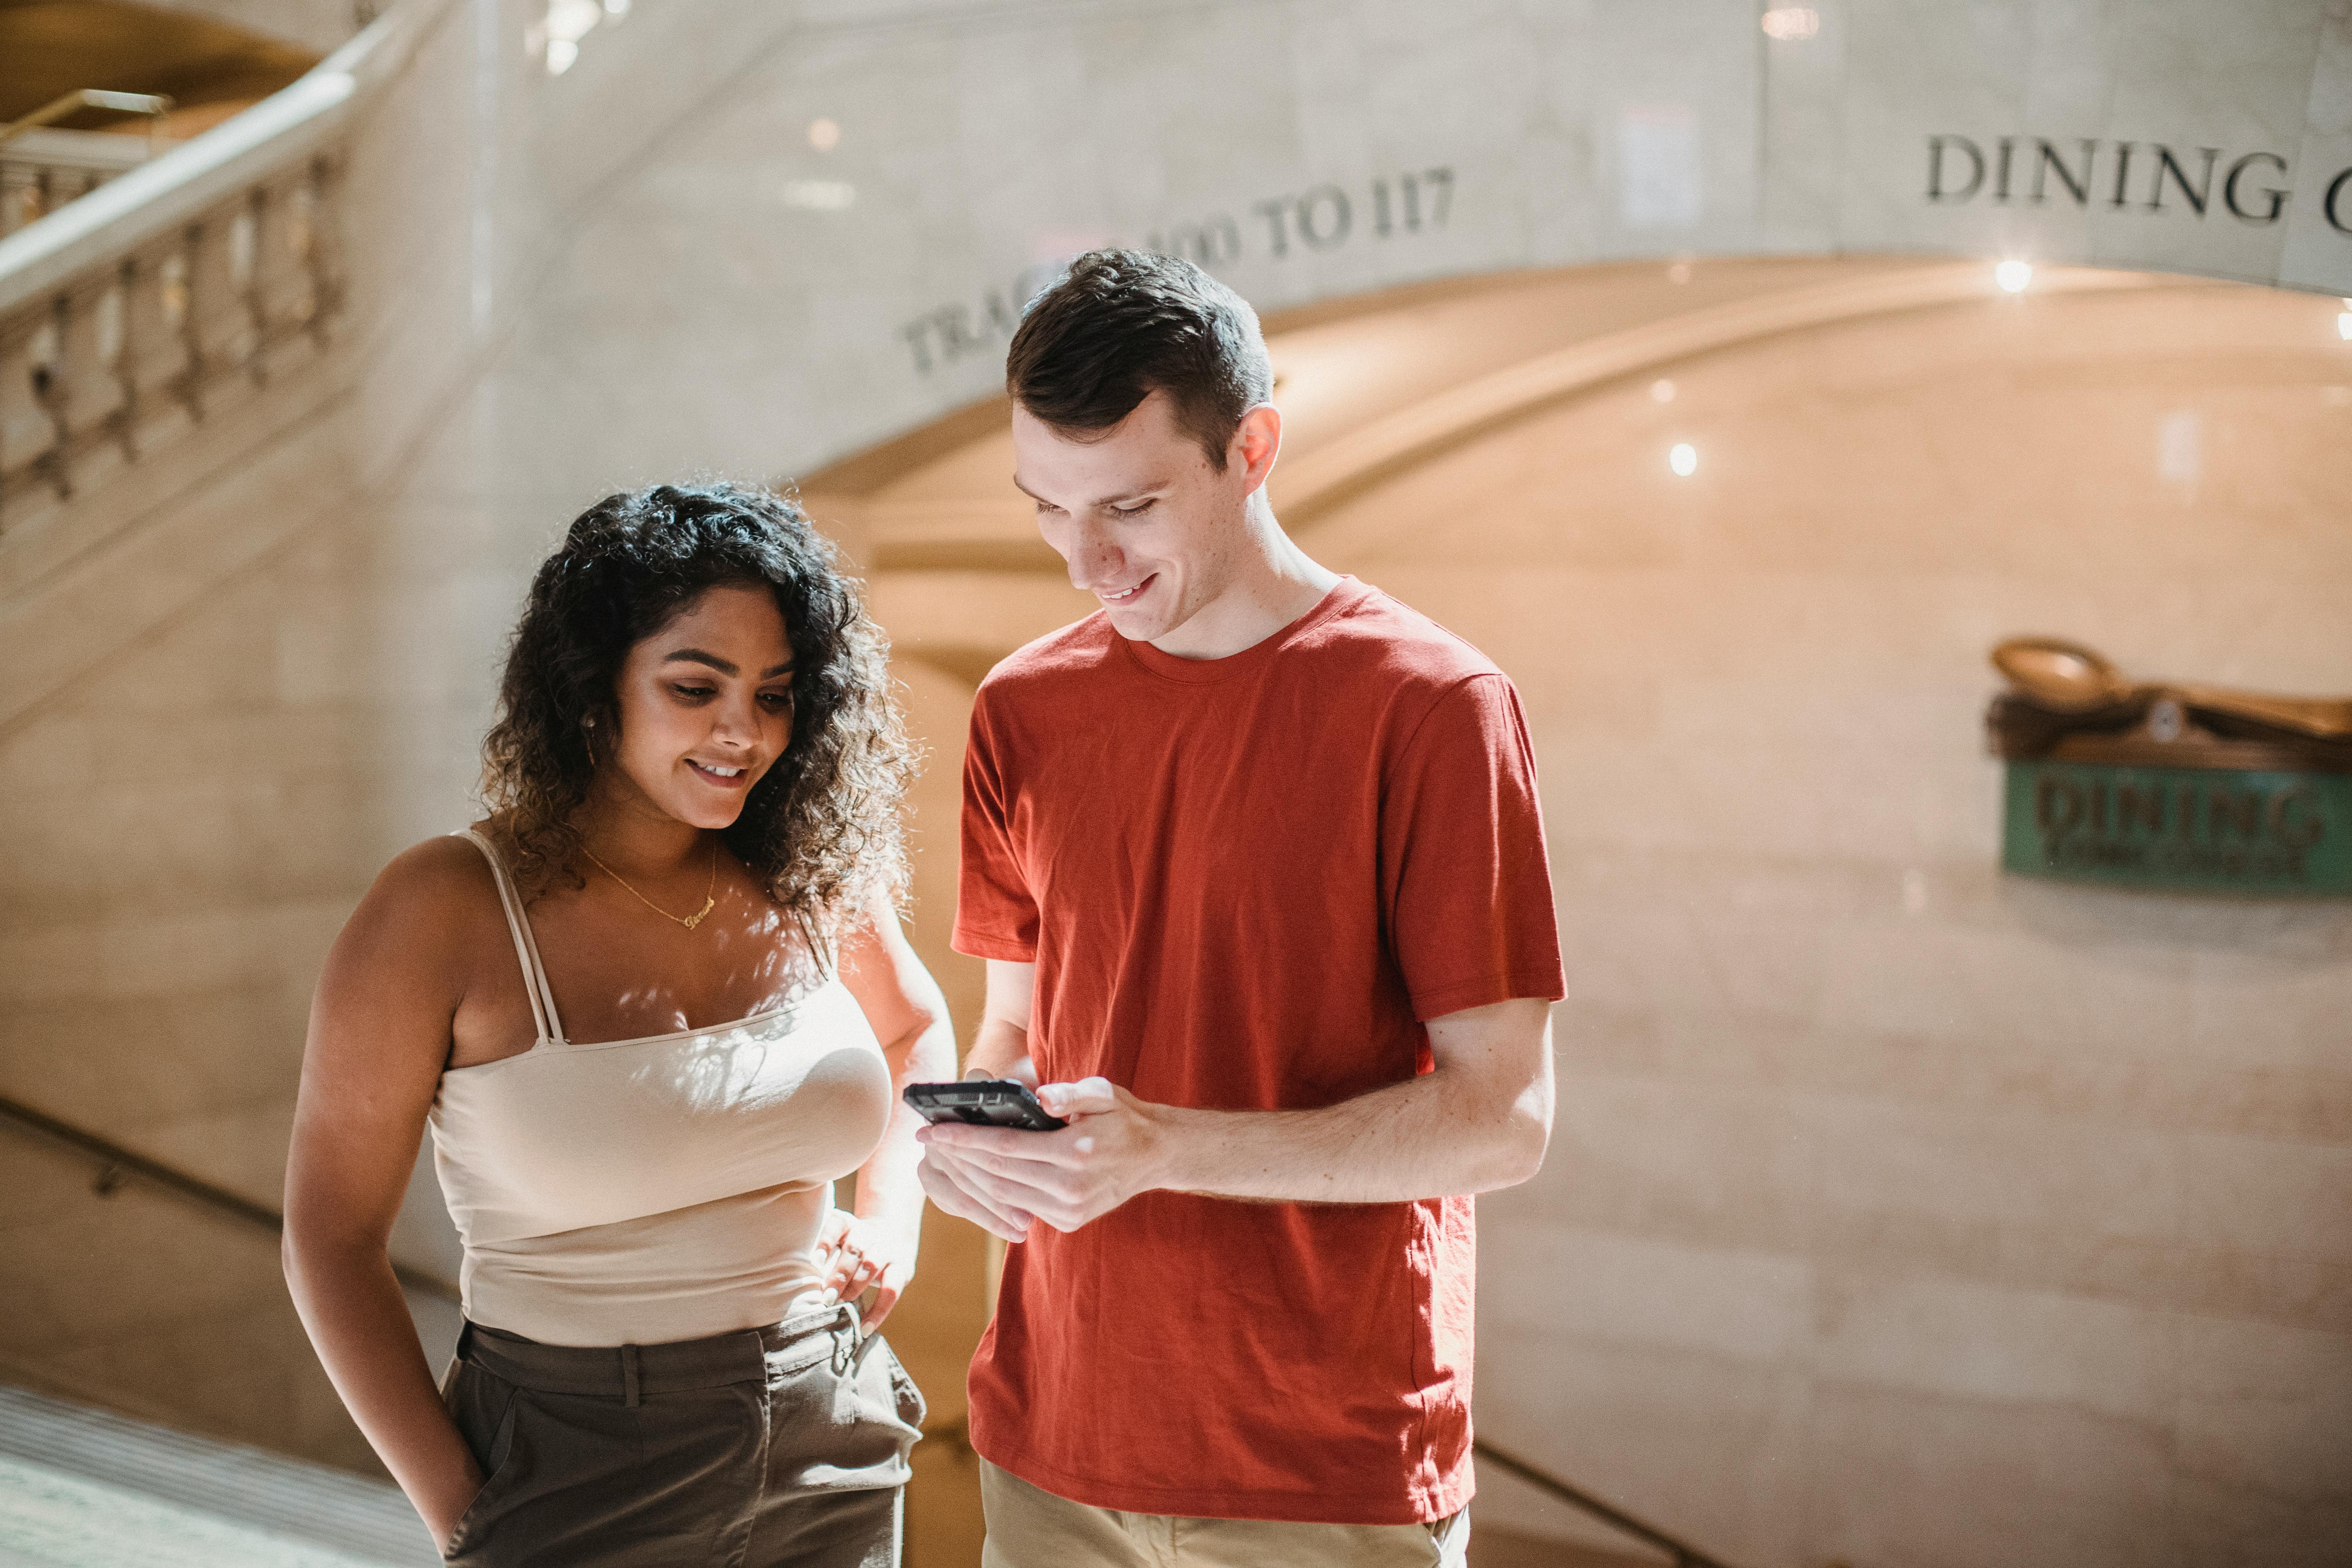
(983, 1102)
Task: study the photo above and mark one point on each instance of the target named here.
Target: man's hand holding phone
(1004, 1177)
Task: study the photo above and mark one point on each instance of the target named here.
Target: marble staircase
(80, 1488)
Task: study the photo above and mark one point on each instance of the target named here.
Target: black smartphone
(983, 1102)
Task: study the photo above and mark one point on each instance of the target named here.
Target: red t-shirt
(1244, 882)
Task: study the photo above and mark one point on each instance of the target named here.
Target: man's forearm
(888, 1191)
(1436, 1136)
(1000, 1049)
(1477, 1122)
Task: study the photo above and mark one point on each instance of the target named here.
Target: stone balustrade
(41, 171)
(174, 290)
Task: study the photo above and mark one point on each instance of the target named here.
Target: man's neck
(1277, 583)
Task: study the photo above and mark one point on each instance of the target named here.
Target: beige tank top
(640, 1191)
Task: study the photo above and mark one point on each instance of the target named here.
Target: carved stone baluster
(220, 311)
(20, 197)
(282, 273)
(327, 258)
(28, 430)
(84, 392)
(154, 365)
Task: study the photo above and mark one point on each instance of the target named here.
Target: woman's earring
(587, 741)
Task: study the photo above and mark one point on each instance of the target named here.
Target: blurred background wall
(1900, 1212)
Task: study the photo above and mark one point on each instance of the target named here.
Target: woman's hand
(444, 1514)
(855, 1254)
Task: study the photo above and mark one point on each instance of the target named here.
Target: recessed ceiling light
(2013, 277)
(821, 196)
(1683, 459)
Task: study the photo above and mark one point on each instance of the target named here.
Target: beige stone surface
(1883, 1185)
(1958, 1169)
(84, 1281)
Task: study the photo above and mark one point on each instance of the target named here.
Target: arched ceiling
(1371, 389)
(832, 249)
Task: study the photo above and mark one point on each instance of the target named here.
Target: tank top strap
(534, 973)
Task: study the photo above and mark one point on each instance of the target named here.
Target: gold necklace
(710, 894)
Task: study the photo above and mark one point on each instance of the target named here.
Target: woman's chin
(711, 816)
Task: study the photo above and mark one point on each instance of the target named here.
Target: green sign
(2206, 830)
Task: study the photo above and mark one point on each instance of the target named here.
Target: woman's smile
(721, 774)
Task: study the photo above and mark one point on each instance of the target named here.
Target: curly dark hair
(822, 827)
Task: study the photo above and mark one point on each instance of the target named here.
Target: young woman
(650, 1007)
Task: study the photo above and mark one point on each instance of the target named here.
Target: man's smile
(1126, 594)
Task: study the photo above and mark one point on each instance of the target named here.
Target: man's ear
(1258, 441)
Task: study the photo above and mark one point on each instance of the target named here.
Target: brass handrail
(153, 104)
(116, 1163)
(1608, 1513)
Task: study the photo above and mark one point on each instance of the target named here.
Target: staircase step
(85, 1488)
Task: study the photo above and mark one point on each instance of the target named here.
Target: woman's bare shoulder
(445, 866)
(415, 946)
(442, 886)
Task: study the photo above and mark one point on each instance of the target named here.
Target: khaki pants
(759, 1449)
(1032, 1528)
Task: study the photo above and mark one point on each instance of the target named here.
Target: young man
(1254, 858)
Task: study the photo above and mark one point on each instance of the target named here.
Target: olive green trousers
(746, 1450)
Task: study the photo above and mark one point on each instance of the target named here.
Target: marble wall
(1902, 1212)
(748, 299)
(749, 239)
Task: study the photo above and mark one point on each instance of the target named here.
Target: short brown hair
(1120, 325)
